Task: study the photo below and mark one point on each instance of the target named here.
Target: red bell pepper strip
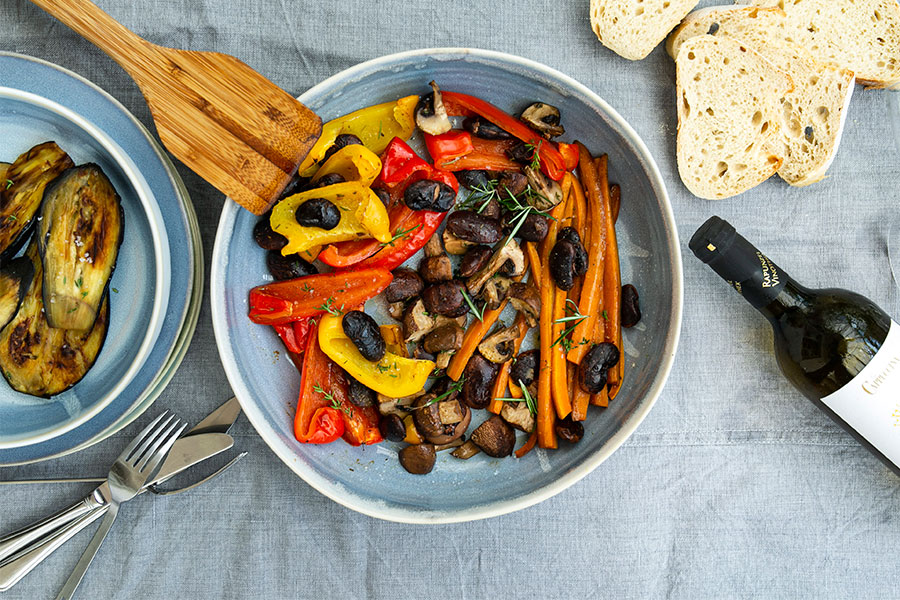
(360, 423)
(570, 155)
(294, 335)
(316, 420)
(482, 155)
(344, 254)
(449, 146)
(292, 299)
(552, 162)
(421, 227)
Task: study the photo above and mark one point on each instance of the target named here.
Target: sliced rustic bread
(812, 116)
(860, 35)
(728, 116)
(632, 28)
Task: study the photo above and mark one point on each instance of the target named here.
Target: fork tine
(159, 437)
(140, 437)
(149, 439)
(158, 454)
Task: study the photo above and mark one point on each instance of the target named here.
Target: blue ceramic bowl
(139, 286)
(185, 267)
(370, 479)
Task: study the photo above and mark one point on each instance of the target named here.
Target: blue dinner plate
(370, 479)
(184, 260)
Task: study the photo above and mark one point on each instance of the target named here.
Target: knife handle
(16, 541)
(21, 565)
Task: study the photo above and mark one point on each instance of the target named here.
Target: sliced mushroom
(454, 444)
(518, 415)
(442, 360)
(431, 116)
(495, 437)
(507, 249)
(446, 337)
(512, 182)
(417, 321)
(395, 309)
(454, 245)
(526, 299)
(405, 285)
(396, 406)
(466, 451)
(544, 118)
(495, 291)
(547, 193)
(418, 459)
(429, 415)
(499, 347)
(433, 246)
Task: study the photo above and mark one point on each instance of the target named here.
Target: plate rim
(186, 319)
(406, 515)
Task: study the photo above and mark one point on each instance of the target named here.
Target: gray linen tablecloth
(734, 486)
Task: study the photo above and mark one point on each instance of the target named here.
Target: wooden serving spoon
(232, 126)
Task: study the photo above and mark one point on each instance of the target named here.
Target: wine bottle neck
(759, 280)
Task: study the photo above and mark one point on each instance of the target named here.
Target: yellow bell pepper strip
(374, 125)
(393, 375)
(363, 215)
(353, 163)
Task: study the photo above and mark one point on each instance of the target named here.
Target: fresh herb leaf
(479, 314)
(12, 218)
(9, 183)
(306, 288)
(529, 401)
(332, 400)
(450, 391)
(605, 315)
(78, 282)
(400, 235)
(114, 290)
(328, 307)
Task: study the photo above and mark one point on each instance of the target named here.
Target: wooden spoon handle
(88, 20)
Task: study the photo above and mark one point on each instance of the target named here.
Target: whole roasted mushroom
(446, 298)
(436, 265)
(441, 422)
(431, 116)
(418, 459)
(544, 118)
(405, 285)
(447, 337)
(495, 437)
(474, 258)
(524, 370)
(474, 227)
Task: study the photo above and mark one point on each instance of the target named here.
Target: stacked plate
(158, 280)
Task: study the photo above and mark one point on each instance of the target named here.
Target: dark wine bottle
(835, 346)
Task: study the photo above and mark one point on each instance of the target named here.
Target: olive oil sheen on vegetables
(835, 346)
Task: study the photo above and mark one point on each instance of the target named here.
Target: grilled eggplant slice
(22, 191)
(42, 361)
(15, 278)
(79, 233)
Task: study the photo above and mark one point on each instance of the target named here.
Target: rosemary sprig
(400, 235)
(328, 307)
(576, 316)
(450, 391)
(535, 156)
(481, 196)
(526, 398)
(479, 314)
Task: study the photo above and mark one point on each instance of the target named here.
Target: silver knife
(36, 542)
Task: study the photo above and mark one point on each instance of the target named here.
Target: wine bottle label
(751, 273)
(870, 403)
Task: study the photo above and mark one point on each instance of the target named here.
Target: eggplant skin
(42, 361)
(22, 190)
(79, 233)
(15, 278)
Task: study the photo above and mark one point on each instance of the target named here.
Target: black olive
(429, 195)
(525, 368)
(512, 182)
(360, 395)
(474, 259)
(470, 226)
(480, 127)
(265, 237)
(474, 179)
(445, 299)
(318, 212)
(294, 186)
(392, 428)
(594, 367)
(363, 331)
(288, 267)
(479, 376)
(490, 209)
(383, 195)
(562, 264)
(581, 258)
(534, 228)
(326, 180)
(341, 141)
(521, 153)
(569, 430)
(405, 285)
(631, 307)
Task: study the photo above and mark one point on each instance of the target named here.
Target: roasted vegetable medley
(506, 229)
(54, 300)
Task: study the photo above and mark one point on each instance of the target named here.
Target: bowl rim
(161, 253)
(565, 480)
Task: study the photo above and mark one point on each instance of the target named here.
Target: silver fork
(129, 473)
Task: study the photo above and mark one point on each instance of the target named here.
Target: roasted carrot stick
(612, 282)
(558, 371)
(592, 289)
(515, 391)
(527, 446)
(502, 380)
(615, 201)
(546, 416)
(534, 262)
